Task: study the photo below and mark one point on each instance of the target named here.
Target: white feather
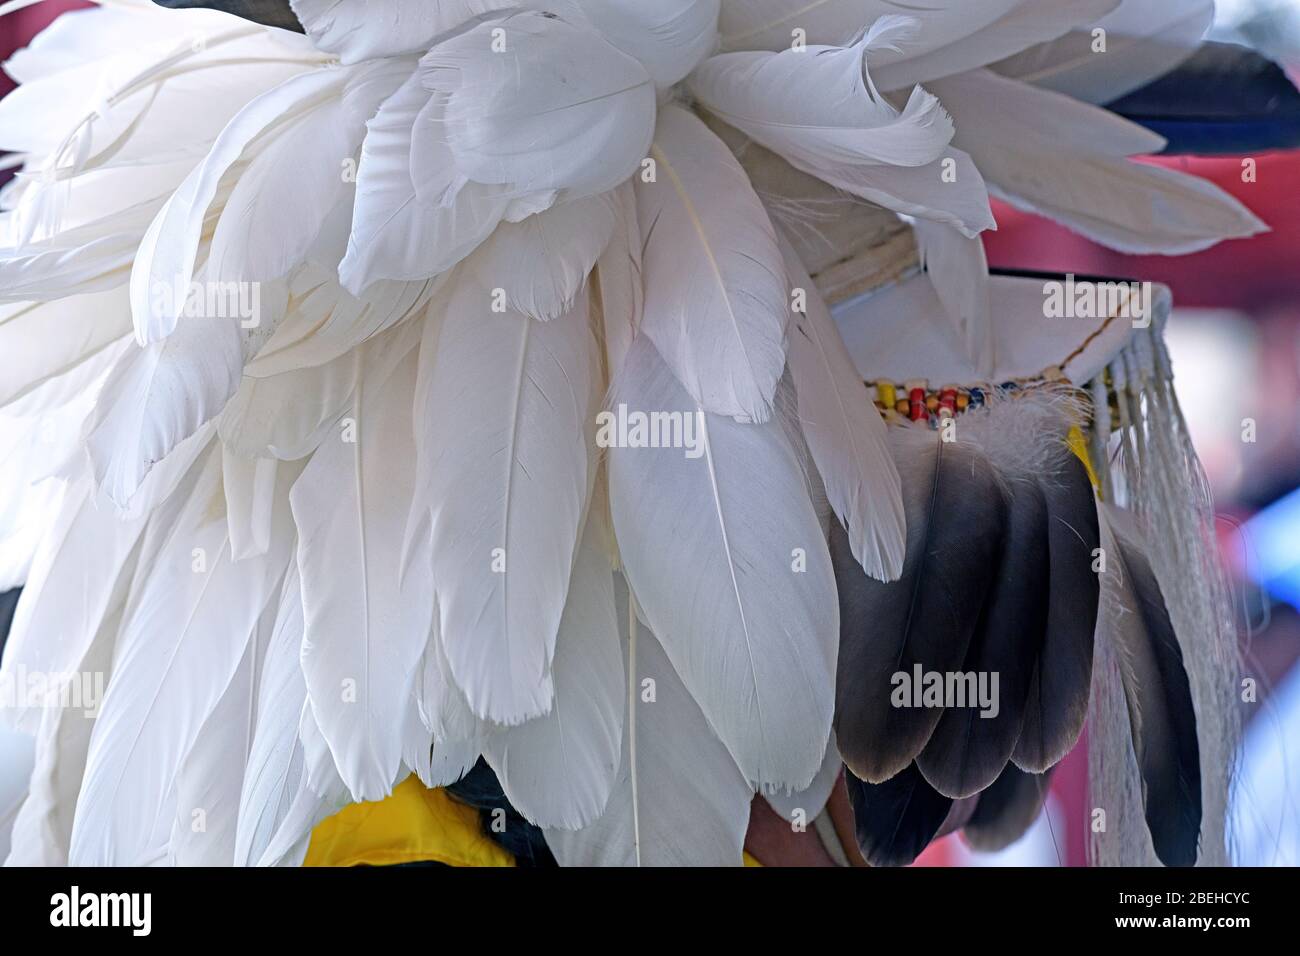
(42, 832)
(959, 271)
(541, 262)
(44, 340)
(289, 414)
(182, 637)
(92, 257)
(211, 777)
(396, 233)
(845, 434)
(557, 108)
(365, 632)
(669, 37)
(274, 772)
(802, 806)
(770, 24)
(713, 562)
(50, 634)
(819, 108)
(356, 31)
(1026, 24)
(691, 803)
(165, 261)
(159, 395)
(1143, 41)
(504, 498)
(558, 769)
(715, 289)
(1130, 207)
(622, 294)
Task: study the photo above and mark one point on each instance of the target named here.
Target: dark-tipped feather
(1223, 100)
(970, 745)
(955, 520)
(897, 819)
(1157, 692)
(1058, 696)
(1007, 809)
(271, 13)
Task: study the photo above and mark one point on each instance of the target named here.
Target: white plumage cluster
(363, 529)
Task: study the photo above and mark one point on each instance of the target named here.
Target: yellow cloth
(414, 824)
(750, 861)
(1079, 445)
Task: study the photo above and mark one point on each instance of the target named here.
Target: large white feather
(50, 634)
(289, 414)
(365, 632)
(274, 770)
(164, 263)
(396, 233)
(505, 472)
(1143, 41)
(669, 37)
(42, 832)
(541, 262)
(959, 271)
(211, 777)
(158, 396)
(739, 590)
(551, 107)
(43, 340)
(684, 803)
(182, 637)
(1028, 23)
(819, 108)
(714, 284)
(558, 769)
(1130, 207)
(770, 24)
(845, 434)
(354, 30)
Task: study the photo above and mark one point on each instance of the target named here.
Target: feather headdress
(448, 379)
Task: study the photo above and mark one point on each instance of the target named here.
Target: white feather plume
(715, 288)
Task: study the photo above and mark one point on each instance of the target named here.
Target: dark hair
(481, 790)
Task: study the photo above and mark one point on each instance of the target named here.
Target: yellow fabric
(750, 861)
(413, 825)
(1079, 445)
